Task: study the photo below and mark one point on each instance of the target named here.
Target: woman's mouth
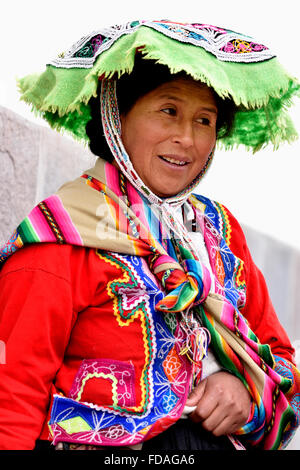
(173, 161)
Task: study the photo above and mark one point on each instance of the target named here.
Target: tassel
(196, 342)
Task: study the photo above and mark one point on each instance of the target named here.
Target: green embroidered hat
(233, 64)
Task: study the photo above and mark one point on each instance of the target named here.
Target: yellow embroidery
(104, 376)
(239, 273)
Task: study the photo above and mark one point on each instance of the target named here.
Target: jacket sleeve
(263, 321)
(36, 317)
(259, 310)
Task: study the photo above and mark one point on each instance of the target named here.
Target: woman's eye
(170, 111)
(205, 121)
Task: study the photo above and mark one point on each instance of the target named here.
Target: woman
(134, 315)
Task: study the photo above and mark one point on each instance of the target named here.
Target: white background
(261, 190)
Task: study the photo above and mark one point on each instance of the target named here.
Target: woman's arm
(36, 317)
(263, 321)
(259, 310)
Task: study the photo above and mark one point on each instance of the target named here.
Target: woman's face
(169, 134)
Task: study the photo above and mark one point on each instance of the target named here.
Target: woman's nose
(183, 134)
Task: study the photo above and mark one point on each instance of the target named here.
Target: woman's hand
(223, 403)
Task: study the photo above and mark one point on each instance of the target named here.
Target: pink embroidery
(121, 374)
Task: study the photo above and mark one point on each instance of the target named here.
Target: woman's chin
(167, 191)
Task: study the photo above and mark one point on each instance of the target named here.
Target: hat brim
(262, 91)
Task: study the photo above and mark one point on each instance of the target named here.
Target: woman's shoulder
(72, 263)
(52, 258)
(221, 217)
(227, 226)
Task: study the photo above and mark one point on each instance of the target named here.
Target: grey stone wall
(35, 161)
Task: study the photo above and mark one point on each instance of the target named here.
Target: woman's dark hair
(145, 77)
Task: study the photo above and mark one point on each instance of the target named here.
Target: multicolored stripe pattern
(47, 222)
